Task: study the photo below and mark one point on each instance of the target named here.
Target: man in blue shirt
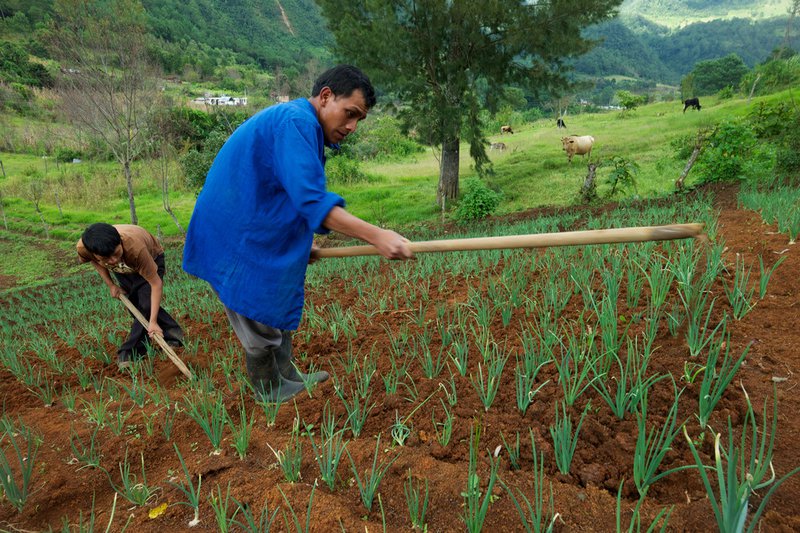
(252, 229)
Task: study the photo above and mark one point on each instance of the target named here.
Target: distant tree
(630, 101)
(435, 55)
(787, 35)
(108, 85)
(15, 67)
(712, 75)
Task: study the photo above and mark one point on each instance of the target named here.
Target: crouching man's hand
(153, 328)
(116, 291)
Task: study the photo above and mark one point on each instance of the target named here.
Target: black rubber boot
(268, 384)
(286, 364)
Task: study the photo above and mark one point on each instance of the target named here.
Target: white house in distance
(223, 99)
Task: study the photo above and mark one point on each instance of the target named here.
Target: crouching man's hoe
(158, 338)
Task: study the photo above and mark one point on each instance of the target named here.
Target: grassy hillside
(532, 172)
(678, 13)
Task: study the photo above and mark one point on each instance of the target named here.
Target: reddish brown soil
(585, 499)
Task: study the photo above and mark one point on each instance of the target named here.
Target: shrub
(66, 155)
(779, 125)
(345, 170)
(380, 139)
(623, 175)
(772, 76)
(771, 121)
(630, 101)
(11, 99)
(478, 201)
(532, 115)
(726, 93)
(683, 146)
(732, 153)
(196, 163)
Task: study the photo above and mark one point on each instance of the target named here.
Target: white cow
(577, 145)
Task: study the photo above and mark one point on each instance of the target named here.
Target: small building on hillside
(223, 99)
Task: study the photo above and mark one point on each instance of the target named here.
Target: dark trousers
(138, 290)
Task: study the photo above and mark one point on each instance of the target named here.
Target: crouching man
(137, 260)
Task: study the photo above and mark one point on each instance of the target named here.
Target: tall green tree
(715, 74)
(108, 85)
(446, 59)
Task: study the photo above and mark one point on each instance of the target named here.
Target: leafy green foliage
(772, 75)
(710, 76)
(623, 52)
(683, 146)
(16, 97)
(15, 67)
(731, 153)
(479, 201)
(380, 138)
(630, 101)
(196, 162)
(751, 41)
(623, 175)
(184, 127)
(779, 124)
(23, 15)
(341, 169)
(635, 47)
(445, 61)
(67, 155)
(726, 93)
(287, 34)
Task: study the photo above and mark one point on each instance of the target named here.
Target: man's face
(112, 259)
(339, 115)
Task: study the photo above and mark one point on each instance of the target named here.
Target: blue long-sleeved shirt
(251, 232)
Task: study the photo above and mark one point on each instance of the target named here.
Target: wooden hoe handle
(159, 338)
(540, 240)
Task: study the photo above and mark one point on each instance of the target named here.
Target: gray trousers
(255, 337)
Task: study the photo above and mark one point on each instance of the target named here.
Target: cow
(577, 145)
(506, 129)
(560, 123)
(691, 102)
(497, 146)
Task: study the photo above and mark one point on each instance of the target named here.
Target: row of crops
(507, 360)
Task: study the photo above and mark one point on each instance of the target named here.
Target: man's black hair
(342, 80)
(101, 239)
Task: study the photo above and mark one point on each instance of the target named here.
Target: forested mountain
(205, 33)
(285, 33)
(652, 40)
(641, 49)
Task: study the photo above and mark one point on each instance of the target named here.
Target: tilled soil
(585, 499)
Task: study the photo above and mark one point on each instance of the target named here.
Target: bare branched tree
(161, 166)
(3, 210)
(108, 85)
(37, 189)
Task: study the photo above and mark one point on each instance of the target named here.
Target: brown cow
(577, 145)
(506, 129)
